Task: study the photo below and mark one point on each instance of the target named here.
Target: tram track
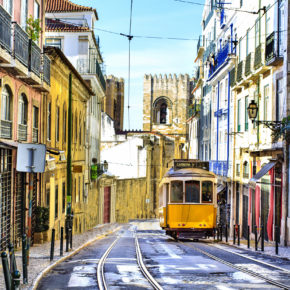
(249, 272)
(101, 280)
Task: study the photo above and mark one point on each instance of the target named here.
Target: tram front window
(192, 191)
(176, 191)
(207, 192)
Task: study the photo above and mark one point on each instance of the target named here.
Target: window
(76, 129)
(266, 103)
(75, 190)
(176, 191)
(192, 191)
(268, 19)
(64, 126)
(79, 195)
(207, 192)
(83, 46)
(241, 3)
(56, 202)
(23, 19)
(47, 195)
(49, 121)
(6, 104)
(246, 169)
(8, 6)
(36, 10)
(161, 111)
(240, 49)
(57, 124)
(247, 42)
(55, 42)
(237, 169)
(246, 113)
(63, 197)
(279, 99)
(22, 110)
(35, 117)
(257, 33)
(239, 115)
(80, 132)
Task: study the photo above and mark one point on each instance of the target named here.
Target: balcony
(258, 57)
(21, 45)
(219, 60)
(248, 64)
(240, 71)
(22, 132)
(34, 58)
(5, 129)
(91, 66)
(5, 34)
(233, 77)
(200, 47)
(193, 110)
(273, 53)
(219, 167)
(35, 135)
(46, 68)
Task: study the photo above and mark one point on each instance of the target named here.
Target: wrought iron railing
(6, 129)
(35, 135)
(21, 44)
(273, 50)
(258, 57)
(34, 58)
(248, 64)
(210, 50)
(219, 167)
(22, 132)
(5, 29)
(46, 68)
(91, 66)
(220, 59)
(240, 71)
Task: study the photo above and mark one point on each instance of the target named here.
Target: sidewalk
(269, 248)
(40, 254)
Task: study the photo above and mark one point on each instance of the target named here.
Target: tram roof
(189, 172)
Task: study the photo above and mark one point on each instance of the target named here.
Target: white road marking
(206, 266)
(169, 252)
(79, 277)
(243, 276)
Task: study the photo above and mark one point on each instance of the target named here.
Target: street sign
(31, 158)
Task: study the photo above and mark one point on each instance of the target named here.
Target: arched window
(162, 109)
(6, 113)
(22, 117)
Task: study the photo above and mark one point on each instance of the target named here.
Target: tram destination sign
(190, 163)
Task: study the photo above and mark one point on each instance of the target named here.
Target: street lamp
(105, 166)
(253, 112)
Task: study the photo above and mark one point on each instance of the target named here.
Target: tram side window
(207, 191)
(192, 191)
(176, 191)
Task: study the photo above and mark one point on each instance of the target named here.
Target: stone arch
(162, 110)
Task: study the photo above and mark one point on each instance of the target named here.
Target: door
(265, 192)
(107, 204)
(245, 215)
(5, 197)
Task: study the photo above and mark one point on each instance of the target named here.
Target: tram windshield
(207, 190)
(176, 191)
(192, 191)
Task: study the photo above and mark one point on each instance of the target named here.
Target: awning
(220, 188)
(264, 170)
(8, 143)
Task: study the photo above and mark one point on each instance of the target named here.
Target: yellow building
(55, 134)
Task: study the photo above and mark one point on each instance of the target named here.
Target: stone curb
(50, 267)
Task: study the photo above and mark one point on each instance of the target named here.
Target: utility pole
(69, 216)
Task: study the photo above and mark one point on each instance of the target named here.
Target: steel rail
(100, 269)
(250, 258)
(143, 268)
(273, 282)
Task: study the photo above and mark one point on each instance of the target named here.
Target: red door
(107, 203)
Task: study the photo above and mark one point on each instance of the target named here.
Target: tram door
(107, 204)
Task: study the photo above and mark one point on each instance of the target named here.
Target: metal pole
(7, 275)
(227, 233)
(16, 280)
(61, 242)
(13, 266)
(24, 259)
(221, 232)
(29, 232)
(262, 238)
(248, 236)
(238, 235)
(52, 244)
(71, 236)
(276, 240)
(234, 237)
(256, 239)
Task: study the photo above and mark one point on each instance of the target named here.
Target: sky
(165, 18)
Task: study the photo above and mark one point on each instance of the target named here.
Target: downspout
(232, 38)
(228, 128)
(217, 122)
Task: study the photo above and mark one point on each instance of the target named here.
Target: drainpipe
(217, 123)
(231, 38)
(228, 127)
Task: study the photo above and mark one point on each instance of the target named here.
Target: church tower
(165, 103)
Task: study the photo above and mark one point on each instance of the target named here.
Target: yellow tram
(188, 200)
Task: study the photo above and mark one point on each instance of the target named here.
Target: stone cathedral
(165, 103)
